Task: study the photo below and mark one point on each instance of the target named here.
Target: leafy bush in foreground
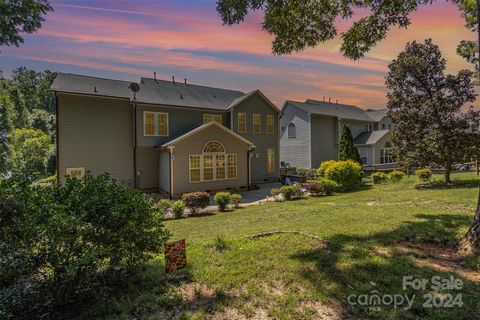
(313, 187)
(195, 201)
(328, 186)
(177, 208)
(379, 177)
(57, 242)
(222, 199)
(424, 175)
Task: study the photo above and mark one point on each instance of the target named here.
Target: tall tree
(6, 124)
(346, 147)
(426, 106)
(297, 24)
(35, 88)
(25, 16)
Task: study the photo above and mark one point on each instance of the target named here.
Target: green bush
(59, 243)
(328, 186)
(195, 201)
(275, 192)
(48, 180)
(163, 205)
(177, 208)
(379, 178)
(313, 187)
(323, 167)
(309, 173)
(347, 174)
(424, 175)
(235, 200)
(222, 199)
(396, 176)
(291, 192)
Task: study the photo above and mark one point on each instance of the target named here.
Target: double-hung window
(155, 123)
(242, 122)
(257, 123)
(208, 117)
(270, 124)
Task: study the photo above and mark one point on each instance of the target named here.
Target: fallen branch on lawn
(271, 233)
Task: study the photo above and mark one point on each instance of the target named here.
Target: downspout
(170, 168)
(134, 103)
(57, 151)
(249, 152)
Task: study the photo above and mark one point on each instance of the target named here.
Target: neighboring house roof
(74, 83)
(155, 92)
(370, 137)
(377, 115)
(331, 109)
(201, 128)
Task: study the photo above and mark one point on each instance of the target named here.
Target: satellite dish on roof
(134, 87)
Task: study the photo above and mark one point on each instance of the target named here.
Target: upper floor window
(208, 117)
(155, 124)
(257, 123)
(292, 130)
(368, 127)
(384, 126)
(242, 122)
(270, 124)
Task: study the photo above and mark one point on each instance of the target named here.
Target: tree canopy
(298, 24)
(18, 17)
(426, 106)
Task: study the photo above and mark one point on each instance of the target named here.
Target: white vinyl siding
(155, 124)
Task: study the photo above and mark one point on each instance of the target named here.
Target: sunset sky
(128, 39)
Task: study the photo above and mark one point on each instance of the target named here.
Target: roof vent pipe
(337, 101)
(173, 79)
(95, 89)
(323, 98)
(185, 81)
(155, 76)
(330, 100)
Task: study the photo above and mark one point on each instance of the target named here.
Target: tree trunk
(448, 170)
(471, 241)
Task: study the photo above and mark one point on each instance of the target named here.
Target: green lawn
(290, 276)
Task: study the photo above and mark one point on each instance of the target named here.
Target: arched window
(213, 146)
(292, 131)
(213, 164)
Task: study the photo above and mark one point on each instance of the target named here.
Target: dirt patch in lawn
(438, 257)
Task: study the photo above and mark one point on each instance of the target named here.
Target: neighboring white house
(310, 133)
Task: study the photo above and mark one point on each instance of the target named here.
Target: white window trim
(269, 116)
(155, 124)
(238, 122)
(259, 124)
(68, 171)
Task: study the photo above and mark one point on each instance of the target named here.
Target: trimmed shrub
(328, 186)
(396, 176)
(424, 175)
(235, 200)
(323, 167)
(313, 187)
(195, 201)
(347, 174)
(222, 199)
(291, 192)
(60, 243)
(177, 208)
(379, 178)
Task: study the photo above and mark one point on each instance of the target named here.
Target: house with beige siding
(310, 133)
(169, 136)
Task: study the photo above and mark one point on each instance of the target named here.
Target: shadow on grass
(351, 266)
(456, 184)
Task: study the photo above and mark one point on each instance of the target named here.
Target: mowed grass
(290, 276)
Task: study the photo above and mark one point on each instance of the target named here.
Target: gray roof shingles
(151, 91)
(370, 137)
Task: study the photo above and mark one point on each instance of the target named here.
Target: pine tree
(346, 147)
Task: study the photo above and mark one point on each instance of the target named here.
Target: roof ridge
(94, 77)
